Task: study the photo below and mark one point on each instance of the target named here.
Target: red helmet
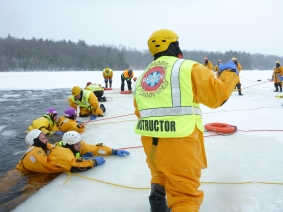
(89, 83)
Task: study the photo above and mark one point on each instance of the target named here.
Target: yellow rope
(137, 188)
(69, 177)
(100, 181)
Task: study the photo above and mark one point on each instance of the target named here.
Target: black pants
(129, 83)
(98, 94)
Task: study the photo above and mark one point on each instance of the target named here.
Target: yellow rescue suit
(176, 162)
(59, 159)
(65, 124)
(44, 123)
(90, 106)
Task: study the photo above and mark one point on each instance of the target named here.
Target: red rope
(133, 147)
(255, 85)
(108, 118)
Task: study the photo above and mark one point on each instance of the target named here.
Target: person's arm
(96, 110)
(42, 124)
(97, 150)
(210, 91)
(72, 104)
(64, 158)
(137, 113)
(71, 125)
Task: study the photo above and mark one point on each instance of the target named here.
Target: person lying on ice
(87, 102)
(68, 122)
(69, 155)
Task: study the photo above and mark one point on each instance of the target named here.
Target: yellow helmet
(278, 61)
(160, 40)
(234, 58)
(76, 90)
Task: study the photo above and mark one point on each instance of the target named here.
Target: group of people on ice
(167, 98)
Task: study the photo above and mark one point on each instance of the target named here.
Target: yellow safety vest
(95, 87)
(164, 97)
(84, 103)
(50, 121)
(109, 72)
(78, 154)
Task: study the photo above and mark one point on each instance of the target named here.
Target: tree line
(48, 55)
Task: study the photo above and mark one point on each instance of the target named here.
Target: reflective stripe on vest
(166, 106)
(84, 103)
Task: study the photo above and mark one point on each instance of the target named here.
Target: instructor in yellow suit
(166, 100)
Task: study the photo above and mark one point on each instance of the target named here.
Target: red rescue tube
(220, 128)
(107, 88)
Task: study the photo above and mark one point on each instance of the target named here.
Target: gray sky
(253, 26)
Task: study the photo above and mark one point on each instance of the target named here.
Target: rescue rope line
(141, 188)
(255, 85)
(101, 181)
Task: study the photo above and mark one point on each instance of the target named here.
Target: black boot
(276, 88)
(102, 99)
(158, 205)
(240, 93)
(102, 108)
(280, 86)
(110, 84)
(106, 85)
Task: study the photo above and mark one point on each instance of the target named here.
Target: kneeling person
(97, 90)
(87, 102)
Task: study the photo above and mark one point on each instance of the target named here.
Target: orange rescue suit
(173, 154)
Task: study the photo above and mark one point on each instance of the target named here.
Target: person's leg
(106, 82)
(98, 94)
(280, 86)
(122, 84)
(180, 161)
(276, 87)
(84, 112)
(157, 198)
(239, 89)
(110, 83)
(129, 83)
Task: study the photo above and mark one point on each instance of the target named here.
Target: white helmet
(71, 137)
(31, 136)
